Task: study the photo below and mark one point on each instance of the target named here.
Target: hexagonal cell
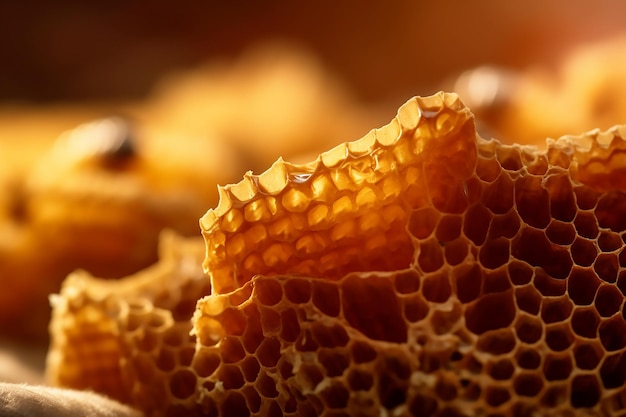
(498, 195)
(423, 222)
(609, 241)
(582, 286)
(467, 279)
(415, 308)
(584, 252)
(502, 370)
(182, 383)
(436, 288)
(496, 396)
(370, 305)
(607, 209)
(528, 329)
(476, 223)
(527, 358)
(588, 354)
(495, 253)
(334, 361)
(269, 292)
(520, 273)
(608, 300)
(430, 255)
(612, 332)
(554, 395)
(561, 233)
(505, 225)
(559, 336)
(585, 391)
(613, 370)
(456, 251)
(556, 309)
(360, 380)
(607, 266)
(532, 201)
(230, 376)
(527, 384)
(497, 342)
(266, 385)
(557, 366)
(479, 316)
(585, 322)
(362, 352)
(325, 297)
(335, 395)
(488, 169)
(443, 321)
(586, 224)
(449, 228)
(562, 202)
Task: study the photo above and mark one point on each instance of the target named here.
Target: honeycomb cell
(527, 358)
(612, 333)
(583, 252)
(608, 300)
(360, 380)
(456, 251)
(182, 383)
(423, 222)
(488, 169)
(498, 196)
(587, 355)
(613, 371)
(582, 286)
(497, 342)
(561, 233)
(559, 337)
(556, 309)
(606, 266)
(520, 273)
(527, 384)
(528, 329)
(479, 317)
(586, 224)
(585, 322)
(495, 396)
(528, 299)
(509, 158)
(607, 208)
(532, 201)
(436, 288)
(495, 253)
(557, 368)
(430, 256)
(407, 282)
(585, 391)
(476, 228)
(383, 318)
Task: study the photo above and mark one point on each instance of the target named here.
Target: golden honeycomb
(419, 271)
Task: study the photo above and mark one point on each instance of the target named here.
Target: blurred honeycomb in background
(204, 91)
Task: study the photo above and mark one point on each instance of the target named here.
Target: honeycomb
(419, 271)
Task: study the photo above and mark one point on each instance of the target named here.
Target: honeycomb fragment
(421, 271)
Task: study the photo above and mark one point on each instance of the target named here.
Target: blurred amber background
(384, 51)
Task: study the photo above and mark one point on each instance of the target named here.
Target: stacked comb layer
(418, 271)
